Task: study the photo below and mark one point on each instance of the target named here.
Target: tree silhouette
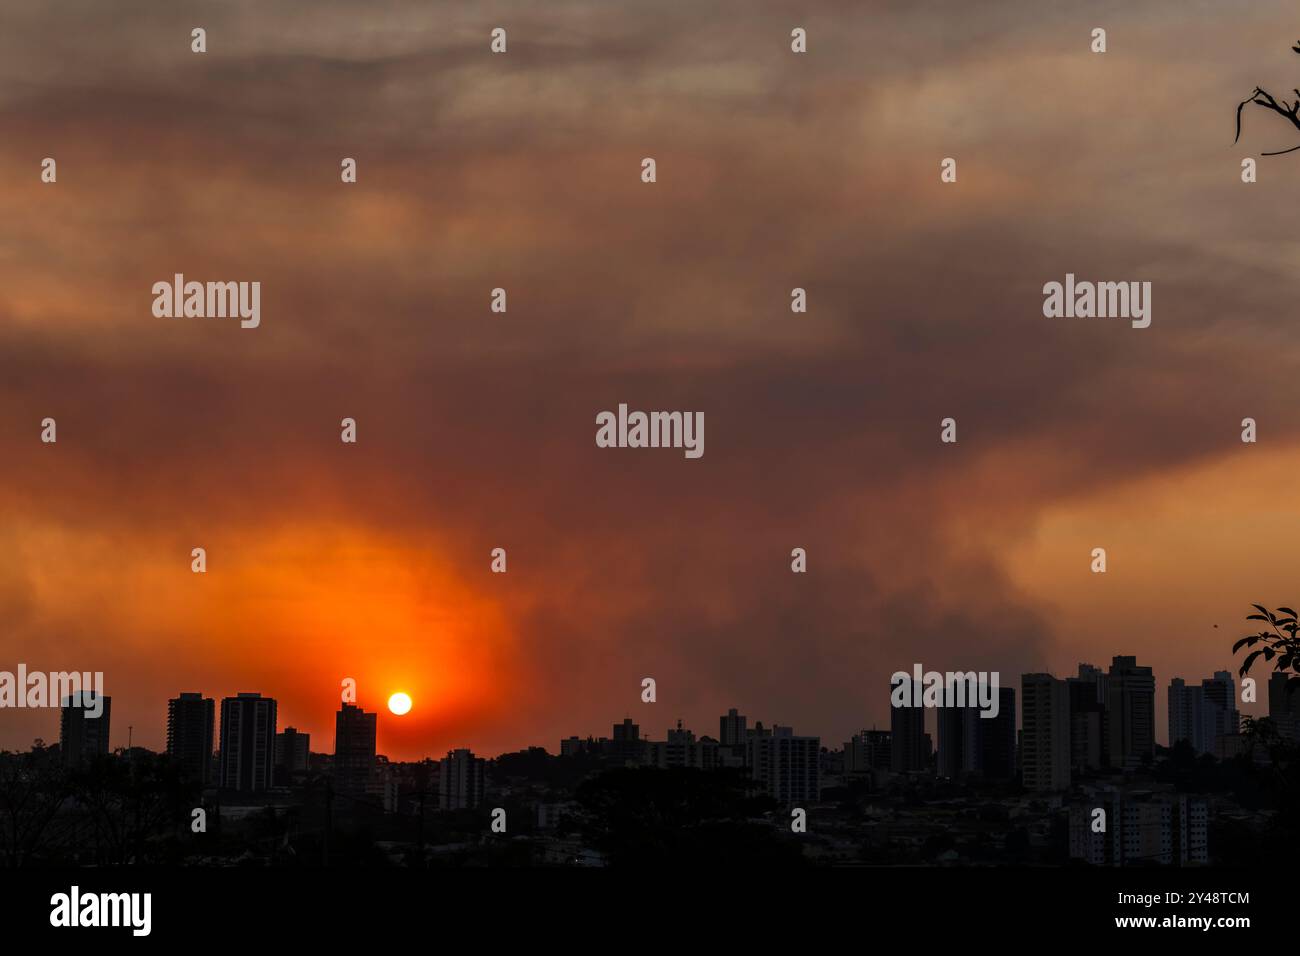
(1279, 644)
(33, 789)
(1289, 111)
(128, 803)
(651, 817)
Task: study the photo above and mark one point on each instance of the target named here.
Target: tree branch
(1265, 99)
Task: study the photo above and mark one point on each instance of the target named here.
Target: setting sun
(399, 703)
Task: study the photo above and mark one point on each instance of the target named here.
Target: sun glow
(399, 703)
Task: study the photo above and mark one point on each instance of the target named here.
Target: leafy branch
(1278, 643)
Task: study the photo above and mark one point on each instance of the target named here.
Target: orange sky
(477, 430)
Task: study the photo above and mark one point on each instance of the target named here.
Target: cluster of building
(1084, 738)
(1083, 751)
(785, 765)
(254, 756)
(1141, 827)
(1069, 727)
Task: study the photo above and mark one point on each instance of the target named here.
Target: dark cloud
(522, 171)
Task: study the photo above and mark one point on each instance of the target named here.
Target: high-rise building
(460, 780)
(909, 752)
(1190, 719)
(681, 749)
(996, 739)
(1141, 828)
(731, 729)
(292, 754)
(1130, 712)
(1088, 744)
(1221, 694)
(954, 748)
(247, 743)
(1284, 704)
(1092, 674)
(626, 745)
(354, 749)
(1206, 716)
(1190, 822)
(83, 727)
(190, 728)
(970, 743)
(867, 751)
(1045, 736)
(787, 766)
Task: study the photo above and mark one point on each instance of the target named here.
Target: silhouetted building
(247, 743)
(996, 740)
(82, 736)
(970, 743)
(460, 780)
(787, 767)
(909, 750)
(354, 749)
(1284, 705)
(1221, 692)
(1088, 744)
(867, 751)
(626, 745)
(191, 719)
(1045, 735)
(1094, 675)
(578, 746)
(1130, 712)
(731, 729)
(292, 753)
(1221, 696)
(1191, 717)
(681, 749)
(953, 750)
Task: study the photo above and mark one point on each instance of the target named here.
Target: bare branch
(1265, 99)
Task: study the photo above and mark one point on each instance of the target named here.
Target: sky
(476, 430)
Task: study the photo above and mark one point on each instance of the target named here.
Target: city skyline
(1083, 781)
(931, 726)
